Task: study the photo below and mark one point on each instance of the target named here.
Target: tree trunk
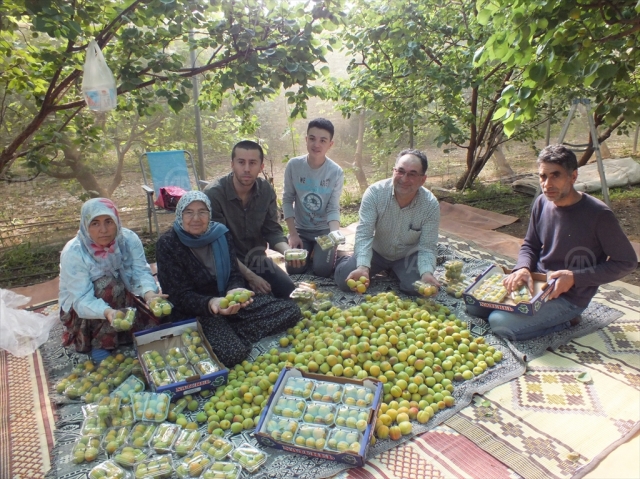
(357, 164)
(602, 137)
(502, 167)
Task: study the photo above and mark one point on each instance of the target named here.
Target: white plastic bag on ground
(98, 82)
(22, 332)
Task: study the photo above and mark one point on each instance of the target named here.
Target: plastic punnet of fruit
(282, 429)
(131, 384)
(164, 437)
(344, 440)
(217, 447)
(192, 465)
(186, 442)
(114, 438)
(108, 470)
(158, 467)
(85, 449)
(129, 456)
(425, 289)
(249, 457)
(521, 295)
(160, 307)
(311, 436)
(222, 470)
(124, 319)
(491, 289)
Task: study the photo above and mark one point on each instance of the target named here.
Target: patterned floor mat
(59, 361)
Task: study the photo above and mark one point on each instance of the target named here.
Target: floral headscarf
(214, 236)
(108, 259)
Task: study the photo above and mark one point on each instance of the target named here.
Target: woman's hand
(149, 295)
(110, 315)
(214, 307)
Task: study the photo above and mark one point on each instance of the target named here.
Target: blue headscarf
(214, 236)
(108, 259)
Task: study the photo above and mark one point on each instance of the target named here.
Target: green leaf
(607, 71)
(509, 127)
(325, 70)
(499, 113)
(484, 16)
(538, 73)
(477, 56)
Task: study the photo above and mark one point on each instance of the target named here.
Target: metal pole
(196, 110)
(635, 140)
(596, 147)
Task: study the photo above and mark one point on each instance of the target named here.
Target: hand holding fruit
(232, 303)
(358, 280)
(564, 282)
(431, 279)
(149, 295)
(110, 315)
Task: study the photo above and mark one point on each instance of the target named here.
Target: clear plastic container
(249, 457)
(93, 426)
(131, 384)
(331, 240)
(162, 377)
(179, 406)
(291, 407)
(191, 337)
(327, 392)
(195, 354)
(164, 437)
(90, 410)
(124, 319)
(344, 440)
(129, 456)
(182, 373)
(321, 305)
(158, 467)
(352, 417)
(109, 470)
(153, 360)
(192, 465)
(186, 442)
(160, 307)
(123, 417)
(320, 413)
(281, 429)
(217, 447)
(175, 357)
(206, 367)
(141, 434)
(108, 405)
(521, 295)
(357, 396)
(114, 438)
(95, 394)
(222, 470)
(295, 254)
(425, 289)
(86, 449)
(311, 436)
(150, 406)
(299, 387)
(491, 289)
(453, 270)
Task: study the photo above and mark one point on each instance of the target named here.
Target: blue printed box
(541, 290)
(168, 336)
(349, 457)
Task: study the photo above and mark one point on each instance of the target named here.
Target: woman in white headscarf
(100, 271)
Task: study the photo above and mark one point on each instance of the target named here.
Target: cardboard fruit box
(168, 336)
(350, 457)
(541, 290)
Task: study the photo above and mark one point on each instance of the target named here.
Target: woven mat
(59, 361)
(26, 419)
(547, 423)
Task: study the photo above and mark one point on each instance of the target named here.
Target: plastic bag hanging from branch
(98, 82)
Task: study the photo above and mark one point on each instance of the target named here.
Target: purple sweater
(579, 238)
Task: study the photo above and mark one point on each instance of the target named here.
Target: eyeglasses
(192, 214)
(412, 175)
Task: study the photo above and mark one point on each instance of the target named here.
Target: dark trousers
(281, 283)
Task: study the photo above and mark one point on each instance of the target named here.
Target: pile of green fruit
(124, 319)
(160, 307)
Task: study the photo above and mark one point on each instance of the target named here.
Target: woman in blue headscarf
(197, 267)
(101, 270)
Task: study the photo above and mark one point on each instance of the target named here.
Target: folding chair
(165, 168)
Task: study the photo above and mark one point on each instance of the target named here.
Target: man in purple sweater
(572, 237)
